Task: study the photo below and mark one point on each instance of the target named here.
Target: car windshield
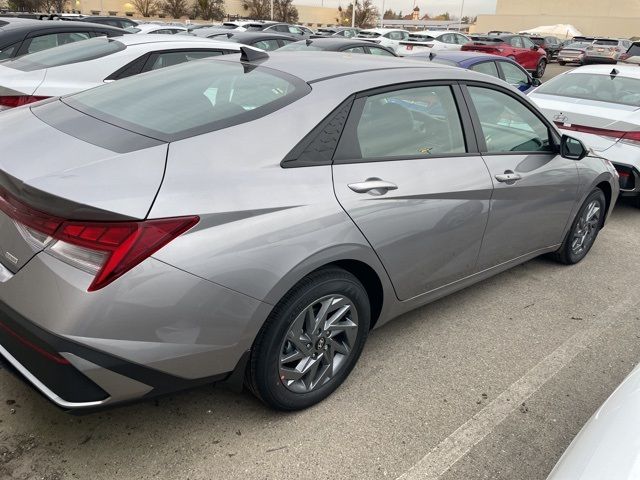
(589, 86)
(75, 52)
(538, 41)
(191, 98)
(369, 34)
(298, 46)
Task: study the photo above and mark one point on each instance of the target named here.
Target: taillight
(106, 250)
(12, 101)
(625, 137)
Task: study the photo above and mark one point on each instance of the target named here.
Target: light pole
(272, 10)
(461, 10)
(353, 13)
(382, 15)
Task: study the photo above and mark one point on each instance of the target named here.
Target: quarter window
(167, 59)
(508, 125)
(415, 122)
(9, 51)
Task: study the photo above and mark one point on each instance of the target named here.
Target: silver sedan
(251, 219)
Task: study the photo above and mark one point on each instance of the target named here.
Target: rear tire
(311, 340)
(584, 229)
(562, 64)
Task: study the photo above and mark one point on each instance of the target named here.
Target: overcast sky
(433, 7)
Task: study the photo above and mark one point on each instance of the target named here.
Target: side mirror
(572, 148)
(536, 82)
(535, 47)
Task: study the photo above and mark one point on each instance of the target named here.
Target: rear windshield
(420, 38)
(75, 52)
(608, 43)
(538, 41)
(603, 88)
(369, 34)
(578, 45)
(191, 98)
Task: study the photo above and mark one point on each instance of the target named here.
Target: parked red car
(517, 47)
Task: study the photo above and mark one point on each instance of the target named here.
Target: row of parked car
(162, 249)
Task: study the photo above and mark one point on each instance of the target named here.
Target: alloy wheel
(587, 228)
(318, 343)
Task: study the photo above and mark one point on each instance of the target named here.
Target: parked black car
(119, 22)
(551, 45)
(285, 28)
(19, 36)
(333, 44)
(346, 32)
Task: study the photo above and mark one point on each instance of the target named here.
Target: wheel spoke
(291, 357)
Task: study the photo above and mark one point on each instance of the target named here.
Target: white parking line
(444, 455)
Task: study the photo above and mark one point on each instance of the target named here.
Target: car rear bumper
(155, 330)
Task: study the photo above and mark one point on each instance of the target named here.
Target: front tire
(584, 230)
(540, 69)
(562, 64)
(311, 341)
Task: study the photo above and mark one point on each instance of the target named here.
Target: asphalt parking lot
(490, 383)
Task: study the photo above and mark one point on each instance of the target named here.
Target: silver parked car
(605, 50)
(251, 219)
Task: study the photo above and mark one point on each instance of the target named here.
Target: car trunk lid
(88, 171)
(17, 87)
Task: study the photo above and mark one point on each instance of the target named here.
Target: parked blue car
(494, 65)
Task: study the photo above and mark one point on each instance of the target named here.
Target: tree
(443, 16)
(209, 9)
(146, 8)
(284, 11)
(24, 5)
(258, 9)
(366, 14)
(53, 5)
(175, 8)
(391, 15)
(465, 20)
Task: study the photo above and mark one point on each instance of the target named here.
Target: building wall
(612, 18)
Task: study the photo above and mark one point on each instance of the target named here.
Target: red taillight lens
(13, 101)
(106, 249)
(627, 137)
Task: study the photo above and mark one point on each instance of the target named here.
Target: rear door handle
(374, 186)
(508, 177)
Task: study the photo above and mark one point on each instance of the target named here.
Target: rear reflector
(627, 137)
(107, 250)
(13, 101)
(54, 357)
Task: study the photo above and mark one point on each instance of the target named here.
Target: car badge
(12, 258)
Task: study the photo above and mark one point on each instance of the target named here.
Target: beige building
(307, 14)
(612, 18)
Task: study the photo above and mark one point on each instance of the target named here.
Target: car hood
(608, 446)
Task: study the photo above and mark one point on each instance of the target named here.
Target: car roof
(315, 66)
(329, 43)
(382, 30)
(31, 24)
(151, 26)
(130, 40)
(435, 32)
(259, 35)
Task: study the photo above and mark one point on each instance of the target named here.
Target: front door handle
(375, 186)
(509, 176)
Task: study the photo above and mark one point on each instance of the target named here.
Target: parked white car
(600, 105)
(388, 37)
(432, 41)
(608, 446)
(81, 65)
(157, 28)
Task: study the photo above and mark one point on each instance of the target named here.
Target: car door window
(348, 33)
(507, 124)
(414, 122)
(295, 30)
(395, 36)
(527, 43)
(380, 51)
(516, 42)
(167, 59)
(513, 74)
(355, 50)
(45, 42)
(488, 68)
(9, 51)
(461, 39)
(267, 45)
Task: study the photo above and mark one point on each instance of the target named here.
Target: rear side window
(44, 42)
(488, 68)
(73, 53)
(297, 46)
(190, 99)
(634, 50)
(267, 45)
(415, 122)
(380, 51)
(168, 59)
(9, 51)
